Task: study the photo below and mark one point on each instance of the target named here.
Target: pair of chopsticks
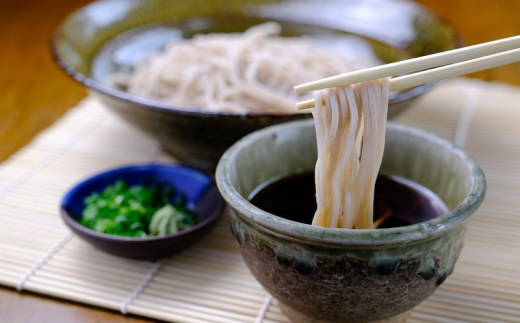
(452, 63)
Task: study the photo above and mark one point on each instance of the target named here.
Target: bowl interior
(414, 155)
(193, 184)
(122, 53)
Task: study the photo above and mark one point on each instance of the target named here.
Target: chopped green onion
(137, 211)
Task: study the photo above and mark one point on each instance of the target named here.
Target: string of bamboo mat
(210, 282)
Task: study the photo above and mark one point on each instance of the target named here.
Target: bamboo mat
(210, 282)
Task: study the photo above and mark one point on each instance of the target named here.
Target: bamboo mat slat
(210, 282)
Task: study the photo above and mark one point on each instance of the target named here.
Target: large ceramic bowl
(340, 275)
(111, 35)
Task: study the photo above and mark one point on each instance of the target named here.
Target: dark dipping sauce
(397, 201)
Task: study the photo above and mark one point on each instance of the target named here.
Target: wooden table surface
(28, 308)
(34, 93)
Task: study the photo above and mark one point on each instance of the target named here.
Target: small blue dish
(199, 189)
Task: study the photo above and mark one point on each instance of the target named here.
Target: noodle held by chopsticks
(350, 133)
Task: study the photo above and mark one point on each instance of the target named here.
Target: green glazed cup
(340, 275)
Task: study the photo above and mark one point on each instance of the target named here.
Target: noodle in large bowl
(244, 73)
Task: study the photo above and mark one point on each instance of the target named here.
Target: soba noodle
(250, 72)
(350, 132)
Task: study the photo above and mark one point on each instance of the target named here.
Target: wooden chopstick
(439, 73)
(457, 69)
(413, 65)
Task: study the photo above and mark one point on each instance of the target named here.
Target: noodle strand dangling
(350, 134)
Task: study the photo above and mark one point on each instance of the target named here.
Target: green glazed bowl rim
(98, 86)
(351, 237)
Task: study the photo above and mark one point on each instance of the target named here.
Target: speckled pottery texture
(337, 275)
(89, 43)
